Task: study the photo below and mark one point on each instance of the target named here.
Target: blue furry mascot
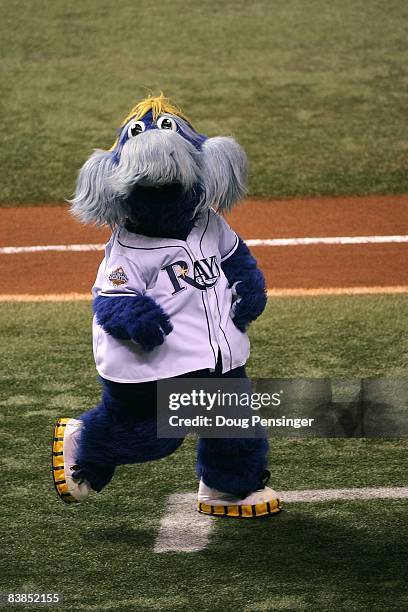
(173, 297)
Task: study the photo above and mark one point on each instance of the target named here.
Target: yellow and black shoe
(264, 502)
(64, 447)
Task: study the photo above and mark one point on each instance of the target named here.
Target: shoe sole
(242, 512)
(57, 459)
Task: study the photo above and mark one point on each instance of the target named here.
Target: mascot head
(159, 169)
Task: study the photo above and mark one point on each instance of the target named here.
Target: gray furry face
(158, 158)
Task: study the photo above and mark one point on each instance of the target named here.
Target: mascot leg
(233, 474)
(233, 478)
(120, 430)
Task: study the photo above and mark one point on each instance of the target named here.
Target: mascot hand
(138, 318)
(250, 302)
(248, 286)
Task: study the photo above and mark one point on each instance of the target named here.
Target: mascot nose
(157, 145)
(156, 136)
(154, 144)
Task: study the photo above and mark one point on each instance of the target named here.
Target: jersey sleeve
(121, 276)
(228, 239)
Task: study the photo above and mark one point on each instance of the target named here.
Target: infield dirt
(285, 267)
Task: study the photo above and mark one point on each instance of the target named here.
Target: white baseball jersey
(186, 279)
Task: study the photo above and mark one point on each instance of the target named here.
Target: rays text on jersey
(206, 273)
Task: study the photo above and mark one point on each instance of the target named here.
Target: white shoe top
(82, 490)
(212, 497)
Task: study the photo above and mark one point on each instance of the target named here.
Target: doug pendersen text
(221, 399)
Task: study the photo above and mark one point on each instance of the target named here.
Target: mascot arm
(133, 317)
(248, 284)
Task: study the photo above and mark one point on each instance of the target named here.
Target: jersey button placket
(196, 255)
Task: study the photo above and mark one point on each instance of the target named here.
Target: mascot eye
(167, 123)
(135, 128)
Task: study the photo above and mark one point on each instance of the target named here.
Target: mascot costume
(173, 297)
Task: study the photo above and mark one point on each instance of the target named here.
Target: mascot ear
(94, 200)
(225, 172)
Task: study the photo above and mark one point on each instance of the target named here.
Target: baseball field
(317, 94)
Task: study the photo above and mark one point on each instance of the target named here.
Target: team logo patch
(118, 277)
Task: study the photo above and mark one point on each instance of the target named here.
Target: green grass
(321, 556)
(315, 91)
(360, 336)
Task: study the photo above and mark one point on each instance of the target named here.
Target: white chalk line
(252, 242)
(316, 495)
(47, 297)
(183, 529)
(274, 242)
(300, 292)
(17, 250)
(272, 293)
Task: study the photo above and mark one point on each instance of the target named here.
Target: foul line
(255, 242)
(316, 495)
(326, 240)
(183, 529)
(16, 250)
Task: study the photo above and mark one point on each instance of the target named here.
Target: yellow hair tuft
(158, 105)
